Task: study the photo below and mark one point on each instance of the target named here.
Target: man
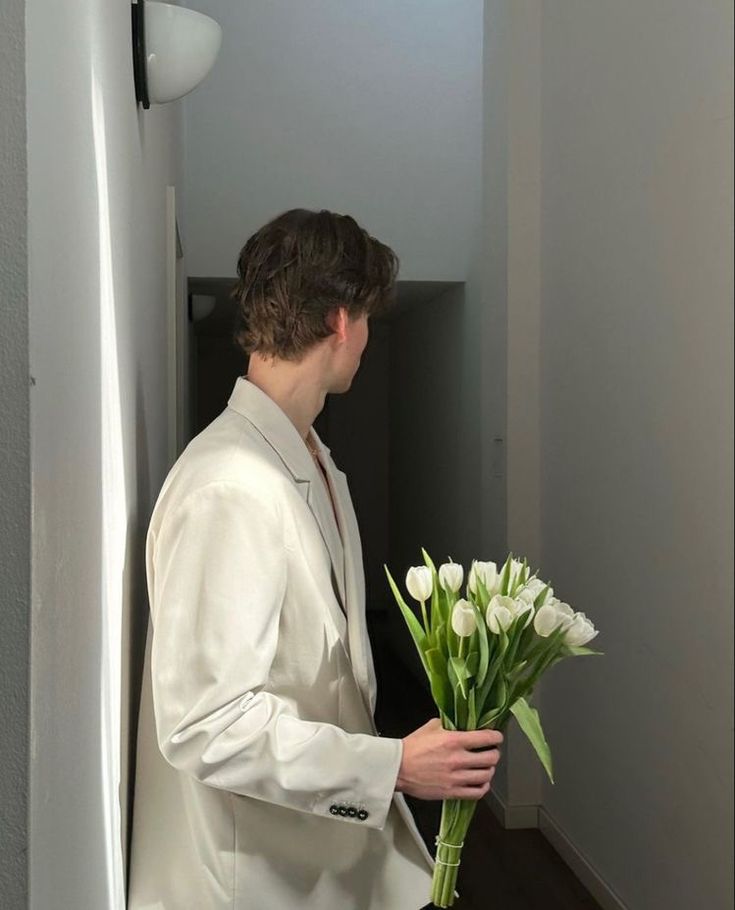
(262, 783)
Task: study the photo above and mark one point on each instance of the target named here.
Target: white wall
(97, 170)
(15, 453)
(635, 395)
(372, 109)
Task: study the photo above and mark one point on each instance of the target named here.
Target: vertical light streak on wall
(114, 522)
(172, 320)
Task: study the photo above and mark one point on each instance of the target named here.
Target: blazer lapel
(318, 500)
(280, 433)
(354, 587)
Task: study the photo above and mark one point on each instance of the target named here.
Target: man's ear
(337, 321)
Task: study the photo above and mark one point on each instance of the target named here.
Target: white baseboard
(580, 866)
(515, 817)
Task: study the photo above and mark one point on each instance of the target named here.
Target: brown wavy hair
(298, 268)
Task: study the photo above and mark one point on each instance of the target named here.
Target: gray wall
(15, 517)
(608, 230)
(637, 437)
(608, 165)
(373, 109)
(434, 458)
(509, 365)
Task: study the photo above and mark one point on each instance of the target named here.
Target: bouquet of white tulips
(483, 655)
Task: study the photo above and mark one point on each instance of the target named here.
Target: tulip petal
(419, 582)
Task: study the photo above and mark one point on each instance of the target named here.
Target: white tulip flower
(419, 582)
(499, 613)
(531, 590)
(451, 576)
(514, 606)
(521, 607)
(464, 622)
(487, 572)
(579, 631)
(564, 609)
(472, 577)
(547, 619)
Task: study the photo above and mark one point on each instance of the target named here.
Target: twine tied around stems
(443, 843)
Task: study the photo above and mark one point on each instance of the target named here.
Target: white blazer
(261, 780)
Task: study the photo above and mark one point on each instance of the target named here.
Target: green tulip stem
(426, 621)
(455, 822)
(461, 646)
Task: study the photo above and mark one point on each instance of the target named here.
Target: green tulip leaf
(460, 708)
(441, 639)
(505, 575)
(482, 632)
(472, 711)
(520, 578)
(434, 614)
(459, 665)
(457, 672)
(473, 662)
(487, 718)
(414, 626)
(500, 643)
(441, 692)
(428, 560)
(580, 651)
(437, 663)
(483, 595)
(501, 690)
(528, 721)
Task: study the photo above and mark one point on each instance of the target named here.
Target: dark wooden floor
(501, 870)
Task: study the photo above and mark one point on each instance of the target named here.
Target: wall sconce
(173, 50)
(201, 306)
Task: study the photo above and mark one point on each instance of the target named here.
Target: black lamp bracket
(139, 53)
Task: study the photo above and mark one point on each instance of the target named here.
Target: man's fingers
(470, 792)
(487, 758)
(475, 777)
(480, 739)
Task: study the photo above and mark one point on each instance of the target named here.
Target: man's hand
(442, 764)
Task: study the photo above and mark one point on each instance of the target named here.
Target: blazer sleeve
(217, 579)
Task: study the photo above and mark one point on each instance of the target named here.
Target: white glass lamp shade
(179, 47)
(202, 305)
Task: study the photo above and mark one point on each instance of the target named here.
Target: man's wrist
(398, 785)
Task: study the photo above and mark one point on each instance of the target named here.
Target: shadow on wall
(135, 619)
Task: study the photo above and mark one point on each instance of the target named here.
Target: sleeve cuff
(369, 800)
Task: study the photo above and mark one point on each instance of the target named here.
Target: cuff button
(334, 809)
(352, 812)
(362, 815)
(342, 810)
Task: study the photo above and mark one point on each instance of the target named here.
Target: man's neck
(295, 387)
